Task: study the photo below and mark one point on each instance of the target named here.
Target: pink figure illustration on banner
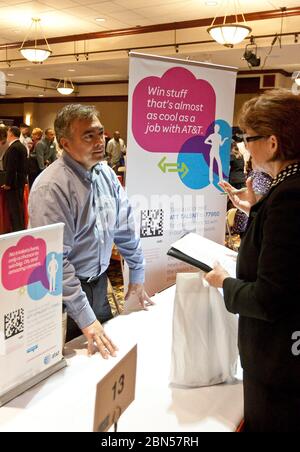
(216, 142)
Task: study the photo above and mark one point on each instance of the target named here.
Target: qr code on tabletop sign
(152, 223)
(13, 323)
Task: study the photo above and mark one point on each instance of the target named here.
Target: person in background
(25, 137)
(266, 291)
(3, 144)
(261, 183)
(15, 165)
(237, 137)
(115, 151)
(45, 150)
(86, 196)
(236, 173)
(33, 166)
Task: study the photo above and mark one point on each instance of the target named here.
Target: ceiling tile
(59, 4)
(106, 7)
(80, 11)
(128, 17)
(90, 2)
(136, 4)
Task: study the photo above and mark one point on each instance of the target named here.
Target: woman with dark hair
(33, 167)
(237, 163)
(266, 291)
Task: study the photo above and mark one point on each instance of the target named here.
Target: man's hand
(5, 187)
(96, 335)
(139, 291)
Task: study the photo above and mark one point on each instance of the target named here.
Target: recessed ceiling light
(41, 95)
(10, 74)
(100, 19)
(71, 70)
(211, 3)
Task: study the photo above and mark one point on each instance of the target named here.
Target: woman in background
(261, 183)
(33, 167)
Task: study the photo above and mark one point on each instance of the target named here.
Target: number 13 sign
(115, 392)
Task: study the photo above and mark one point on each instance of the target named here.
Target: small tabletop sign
(115, 392)
(31, 285)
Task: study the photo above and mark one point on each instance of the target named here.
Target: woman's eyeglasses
(247, 139)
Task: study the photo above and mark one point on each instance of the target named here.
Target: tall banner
(179, 138)
(31, 266)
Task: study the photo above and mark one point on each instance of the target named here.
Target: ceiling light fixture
(297, 79)
(65, 87)
(229, 34)
(35, 54)
(100, 19)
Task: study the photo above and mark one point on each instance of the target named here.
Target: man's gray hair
(68, 114)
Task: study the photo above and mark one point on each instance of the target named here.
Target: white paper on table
(207, 251)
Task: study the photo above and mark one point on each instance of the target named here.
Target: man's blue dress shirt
(96, 213)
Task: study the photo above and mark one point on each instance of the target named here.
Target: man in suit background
(15, 165)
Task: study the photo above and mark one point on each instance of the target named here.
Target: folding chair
(230, 216)
(111, 292)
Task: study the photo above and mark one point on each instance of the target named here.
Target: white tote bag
(204, 347)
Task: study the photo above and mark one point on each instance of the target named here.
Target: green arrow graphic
(173, 167)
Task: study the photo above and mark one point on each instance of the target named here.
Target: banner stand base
(18, 390)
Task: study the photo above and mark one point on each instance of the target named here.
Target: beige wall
(11, 110)
(281, 82)
(113, 114)
(240, 99)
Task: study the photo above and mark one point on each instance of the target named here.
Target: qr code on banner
(152, 223)
(13, 323)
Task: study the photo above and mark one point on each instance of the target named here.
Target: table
(65, 402)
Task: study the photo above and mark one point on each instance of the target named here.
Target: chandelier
(229, 34)
(35, 54)
(65, 87)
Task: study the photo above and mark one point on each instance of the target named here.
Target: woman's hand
(216, 277)
(244, 200)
